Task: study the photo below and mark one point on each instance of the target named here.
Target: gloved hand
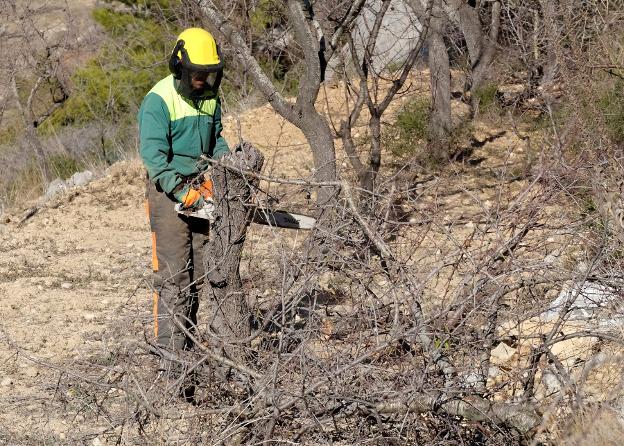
(205, 189)
(190, 198)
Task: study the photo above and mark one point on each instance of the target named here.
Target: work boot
(177, 379)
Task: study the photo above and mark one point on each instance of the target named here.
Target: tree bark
(481, 66)
(553, 37)
(228, 312)
(440, 124)
(319, 135)
(368, 176)
(440, 74)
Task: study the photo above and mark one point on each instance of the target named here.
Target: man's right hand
(190, 198)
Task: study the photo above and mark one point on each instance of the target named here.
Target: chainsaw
(259, 214)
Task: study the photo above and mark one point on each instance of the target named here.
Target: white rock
(396, 34)
(80, 178)
(494, 372)
(502, 354)
(54, 188)
(6, 382)
(550, 259)
(66, 285)
(88, 316)
(550, 381)
(472, 379)
(97, 442)
(588, 301)
(31, 372)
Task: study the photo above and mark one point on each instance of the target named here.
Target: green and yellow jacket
(174, 132)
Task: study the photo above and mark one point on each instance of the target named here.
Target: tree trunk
(440, 73)
(228, 312)
(368, 176)
(481, 65)
(319, 135)
(481, 46)
(553, 37)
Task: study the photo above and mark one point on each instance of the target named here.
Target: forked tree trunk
(481, 46)
(302, 113)
(228, 311)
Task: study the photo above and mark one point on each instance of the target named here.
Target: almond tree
(302, 113)
(368, 91)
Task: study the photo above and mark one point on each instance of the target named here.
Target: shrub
(267, 13)
(410, 128)
(612, 106)
(285, 77)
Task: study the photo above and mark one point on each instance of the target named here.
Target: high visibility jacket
(174, 132)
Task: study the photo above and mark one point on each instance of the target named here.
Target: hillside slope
(74, 280)
(75, 276)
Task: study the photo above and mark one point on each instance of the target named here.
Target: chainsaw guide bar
(281, 219)
(259, 215)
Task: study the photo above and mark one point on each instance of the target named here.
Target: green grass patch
(29, 179)
(486, 94)
(10, 134)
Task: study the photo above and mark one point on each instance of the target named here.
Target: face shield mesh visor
(198, 84)
(200, 79)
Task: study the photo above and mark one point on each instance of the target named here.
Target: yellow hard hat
(200, 47)
(196, 56)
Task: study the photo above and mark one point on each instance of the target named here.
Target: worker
(179, 121)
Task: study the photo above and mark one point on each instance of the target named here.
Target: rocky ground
(74, 282)
(75, 272)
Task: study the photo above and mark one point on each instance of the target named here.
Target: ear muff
(175, 63)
